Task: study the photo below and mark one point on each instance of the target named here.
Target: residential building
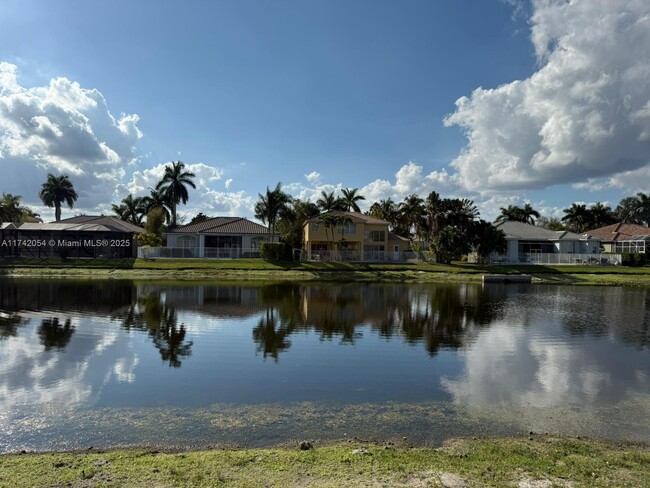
(360, 238)
(85, 236)
(620, 238)
(218, 237)
(530, 244)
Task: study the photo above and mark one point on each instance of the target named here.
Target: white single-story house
(218, 237)
(530, 244)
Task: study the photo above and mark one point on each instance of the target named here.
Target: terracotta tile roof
(221, 225)
(354, 216)
(111, 223)
(620, 232)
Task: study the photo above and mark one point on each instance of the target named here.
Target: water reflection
(160, 320)
(54, 334)
(506, 347)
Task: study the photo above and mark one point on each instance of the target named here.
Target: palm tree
(411, 210)
(270, 206)
(577, 217)
(55, 191)
(528, 212)
(600, 215)
(328, 202)
(518, 214)
(157, 199)
(174, 185)
(643, 208)
(350, 199)
(131, 209)
(11, 210)
(384, 209)
(434, 214)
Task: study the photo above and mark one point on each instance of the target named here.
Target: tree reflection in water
(53, 334)
(9, 324)
(161, 321)
(439, 316)
(271, 336)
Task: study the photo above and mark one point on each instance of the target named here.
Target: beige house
(356, 237)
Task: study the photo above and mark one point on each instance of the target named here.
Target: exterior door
(395, 253)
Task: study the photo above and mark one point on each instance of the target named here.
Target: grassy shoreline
(532, 461)
(256, 269)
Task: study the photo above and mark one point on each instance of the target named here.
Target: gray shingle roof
(520, 230)
(111, 223)
(221, 225)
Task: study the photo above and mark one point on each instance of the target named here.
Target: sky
(499, 101)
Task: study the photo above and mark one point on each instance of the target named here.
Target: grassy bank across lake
(534, 461)
(258, 269)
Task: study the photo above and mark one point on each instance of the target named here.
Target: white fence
(558, 258)
(363, 256)
(195, 252)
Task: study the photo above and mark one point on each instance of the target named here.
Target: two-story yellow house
(356, 237)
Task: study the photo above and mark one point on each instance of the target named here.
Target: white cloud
(62, 128)
(313, 177)
(584, 114)
(228, 183)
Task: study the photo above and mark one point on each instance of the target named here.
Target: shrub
(632, 259)
(149, 239)
(272, 251)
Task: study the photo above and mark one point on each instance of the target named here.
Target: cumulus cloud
(313, 177)
(62, 128)
(584, 114)
(202, 199)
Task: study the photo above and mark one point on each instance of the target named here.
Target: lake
(115, 362)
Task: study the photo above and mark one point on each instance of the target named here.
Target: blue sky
(320, 95)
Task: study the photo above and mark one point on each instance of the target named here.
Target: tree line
(449, 227)
(580, 218)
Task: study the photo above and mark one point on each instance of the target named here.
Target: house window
(375, 235)
(348, 229)
(186, 241)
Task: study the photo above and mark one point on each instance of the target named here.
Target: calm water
(107, 363)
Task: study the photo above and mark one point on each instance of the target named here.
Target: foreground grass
(258, 269)
(536, 461)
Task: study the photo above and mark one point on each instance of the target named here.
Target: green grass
(549, 461)
(259, 269)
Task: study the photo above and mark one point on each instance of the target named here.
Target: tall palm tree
(270, 206)
(412, 210)
(577, 217)
(157, 199)
(526, 214)
(600, 215)
(643, 208)
(385, 209)
(328, 202)
(55, 191)
(529, 214)
(132, 209)
(350, 199)
(174, 185)
(434, 215)
(11, 210)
